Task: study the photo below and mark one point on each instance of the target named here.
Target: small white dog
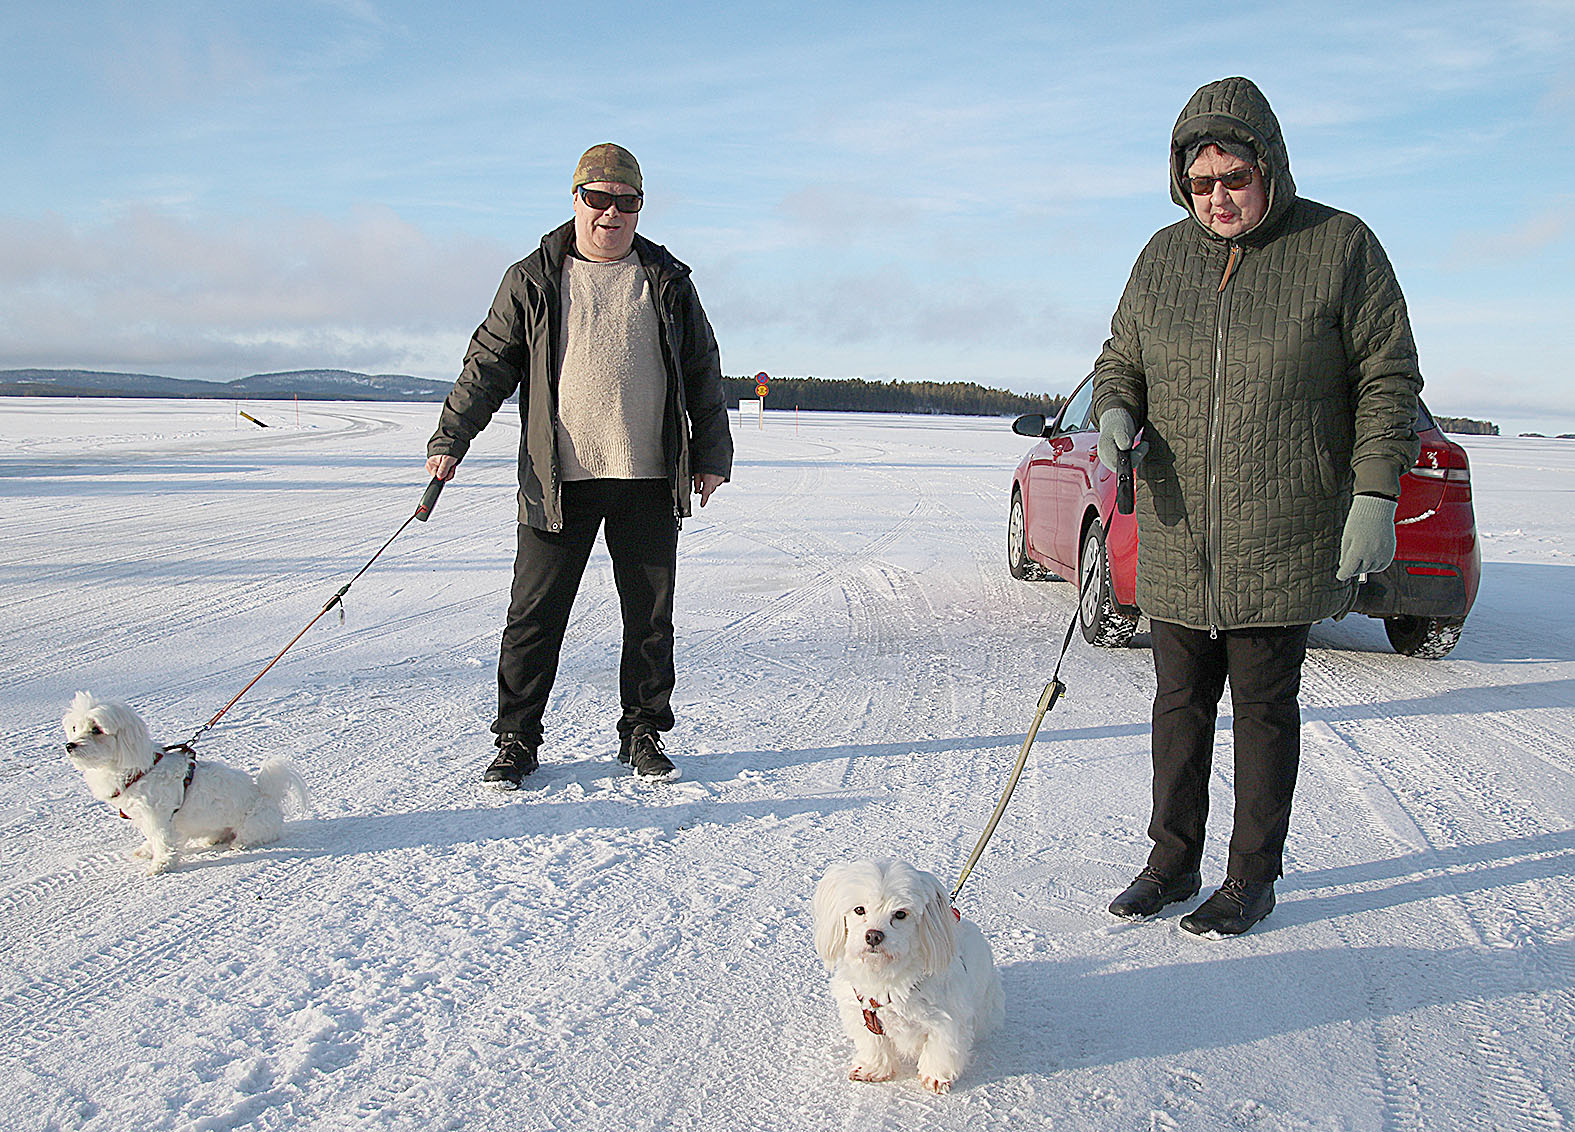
(912, 979)
(169, 796)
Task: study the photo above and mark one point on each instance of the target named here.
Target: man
(622, 414)
(1263, 349)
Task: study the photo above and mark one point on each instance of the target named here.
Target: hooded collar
(1235, 108)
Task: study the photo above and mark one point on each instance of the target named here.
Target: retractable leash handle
(429, 499)
(1126, 498)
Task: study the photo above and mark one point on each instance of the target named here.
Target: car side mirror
(1029, 424)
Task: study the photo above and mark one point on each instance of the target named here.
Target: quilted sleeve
(1119, 378)
(1384, 374)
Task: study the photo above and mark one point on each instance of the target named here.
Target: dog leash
(1054, 689)
(423, 512)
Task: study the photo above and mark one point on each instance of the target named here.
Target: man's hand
(1368, 543)
(442, 467)
(705, 484)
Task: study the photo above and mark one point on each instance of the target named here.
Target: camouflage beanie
(608, 162)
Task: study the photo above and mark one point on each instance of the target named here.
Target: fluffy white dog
(169, 796)
(912, 979)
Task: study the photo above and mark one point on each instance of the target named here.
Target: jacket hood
(1234, 108)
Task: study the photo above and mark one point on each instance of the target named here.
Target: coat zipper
(1216, 554)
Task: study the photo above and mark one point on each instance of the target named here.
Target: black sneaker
(515, 760)
(641, 749)
(1234, 907)
(1151, 891)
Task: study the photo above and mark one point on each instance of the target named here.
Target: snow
(857, 673)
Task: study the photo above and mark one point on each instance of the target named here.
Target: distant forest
(855, 395)
(1466, 425)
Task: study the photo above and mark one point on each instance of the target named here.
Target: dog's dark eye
(859, 911)
(899, 915)
(95, 729)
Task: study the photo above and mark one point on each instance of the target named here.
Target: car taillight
(1446, 462)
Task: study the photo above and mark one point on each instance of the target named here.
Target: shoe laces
(515, 750)
(1235, 889)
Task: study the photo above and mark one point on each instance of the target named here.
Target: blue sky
(913, 191)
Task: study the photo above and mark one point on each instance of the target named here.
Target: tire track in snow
(1422, 812)
(59, 1001)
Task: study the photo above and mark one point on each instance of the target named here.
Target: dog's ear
(831, 928)
(937, 935)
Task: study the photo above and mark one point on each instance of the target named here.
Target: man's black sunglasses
(1235, 179)
(601, 202)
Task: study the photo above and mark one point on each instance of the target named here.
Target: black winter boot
(1234, 907)
(515, 760)
(1151, 891)
(641, 749)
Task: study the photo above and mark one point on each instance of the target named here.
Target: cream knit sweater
(611, 382)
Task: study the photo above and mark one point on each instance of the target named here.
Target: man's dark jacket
(1272, 374)
(516, 347)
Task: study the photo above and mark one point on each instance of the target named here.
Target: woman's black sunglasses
(1235, 179)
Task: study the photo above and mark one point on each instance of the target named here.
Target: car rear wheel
(1427, 638)
(1103, 625)
(1017, 560)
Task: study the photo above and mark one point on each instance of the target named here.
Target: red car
(1062, 496)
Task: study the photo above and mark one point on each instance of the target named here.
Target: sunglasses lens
(601, 201)
(1235, 179)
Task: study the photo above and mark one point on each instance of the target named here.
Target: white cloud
(368, 291)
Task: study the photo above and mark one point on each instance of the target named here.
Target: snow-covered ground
(857, 673)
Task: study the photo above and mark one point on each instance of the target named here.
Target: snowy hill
(310, 384)
(856, 674)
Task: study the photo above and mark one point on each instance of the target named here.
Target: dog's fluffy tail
(277, 777)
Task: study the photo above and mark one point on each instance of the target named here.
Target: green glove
(1117, 431)
(1368, 544)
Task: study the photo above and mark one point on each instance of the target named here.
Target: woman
(1263, 351)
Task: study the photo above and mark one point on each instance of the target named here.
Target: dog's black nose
(872, 938)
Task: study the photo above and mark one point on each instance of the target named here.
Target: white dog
(170, 796)
(912, 979)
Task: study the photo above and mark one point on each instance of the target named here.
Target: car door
(1063, 478)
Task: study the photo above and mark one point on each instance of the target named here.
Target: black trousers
(1264, 667)
(642, 538)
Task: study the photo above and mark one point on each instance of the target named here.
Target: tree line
(1466, 426)
(855, 395)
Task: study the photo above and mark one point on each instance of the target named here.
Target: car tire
(1017, 560)
(1103, 624)
(1426, 638)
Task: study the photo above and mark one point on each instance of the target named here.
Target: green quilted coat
(1273, 375)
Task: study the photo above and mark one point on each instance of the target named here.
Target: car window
(1074, 418)
(1424, 419)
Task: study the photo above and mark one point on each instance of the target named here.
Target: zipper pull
(1230, 265)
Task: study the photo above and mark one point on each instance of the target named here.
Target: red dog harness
(191, 769)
